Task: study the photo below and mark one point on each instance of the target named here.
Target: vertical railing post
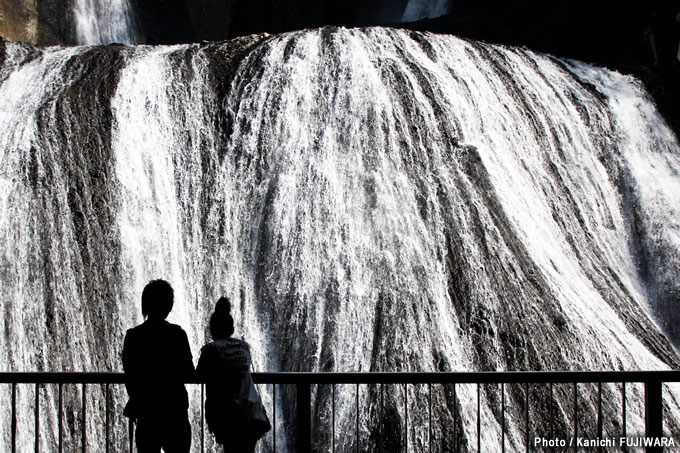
(274, 416)
(131, 435)
(429, 416)
(304, 417)
(357, 419)
(60, 419)
(405, 418)
(107, 421)
(202, 417)
(382, 415)
(503, 417)
(84, 434)
(576, 416)
(14, 417)
(552, 397)
(623, 410)
(653, 412)
(37, 418)
(455, 420)
(479, 420)
(600, 421)
(526, 415)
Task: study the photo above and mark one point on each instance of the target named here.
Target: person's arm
(186, 359)
(203, 367)
(129, 367)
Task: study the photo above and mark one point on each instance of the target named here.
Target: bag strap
(252, 370)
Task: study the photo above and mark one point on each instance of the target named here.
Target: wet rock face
(55, 22)
(72, 143)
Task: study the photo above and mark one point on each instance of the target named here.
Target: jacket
(225, 367)
(157, 361)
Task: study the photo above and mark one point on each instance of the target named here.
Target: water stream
(104, 22)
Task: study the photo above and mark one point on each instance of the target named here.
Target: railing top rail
(471, 377)
(463, 377)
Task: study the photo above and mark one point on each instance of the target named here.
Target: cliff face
(19, 20)
(46, 22)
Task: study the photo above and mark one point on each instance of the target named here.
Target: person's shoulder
(136, 328)
(236, 342)
(134, 331)
(176, 330)
(155, 327)
(135, 336)
(227, 344)
(208, 346)
(174, 327)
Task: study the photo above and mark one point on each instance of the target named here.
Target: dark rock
(55, 22)
(163, 21)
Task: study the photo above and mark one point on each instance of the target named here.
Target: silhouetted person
(157, 361)
(233, 408)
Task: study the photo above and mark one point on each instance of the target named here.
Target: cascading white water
(361, 205)
(104, 22)
(371, 200)
(46, 319)
(425, 9)
(166, 158)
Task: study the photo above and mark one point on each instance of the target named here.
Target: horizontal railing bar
(534, 377)
(65, 377)
(473, 377)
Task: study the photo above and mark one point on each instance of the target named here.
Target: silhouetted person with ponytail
(233, 408)
(157, 361)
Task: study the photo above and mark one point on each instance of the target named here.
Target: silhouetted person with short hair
(157, 361)
(233, 408)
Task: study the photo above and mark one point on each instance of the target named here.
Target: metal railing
(653, 397)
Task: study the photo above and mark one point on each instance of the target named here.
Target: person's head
(221, 322)
(157, 299)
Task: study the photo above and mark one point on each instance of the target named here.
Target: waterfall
(425, 9)
(371, 200)
(104, 22)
